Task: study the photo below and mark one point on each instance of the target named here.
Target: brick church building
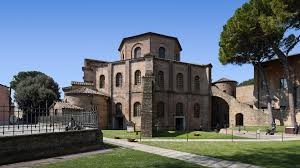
(148, 87)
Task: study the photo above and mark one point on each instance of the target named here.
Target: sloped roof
(84, 90)
(148, 33)
(224, 80)
(65, 105)
(4, 85)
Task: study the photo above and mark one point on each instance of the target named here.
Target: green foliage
(251, 33)
(247, 82)
(34, 89)
(22, 76)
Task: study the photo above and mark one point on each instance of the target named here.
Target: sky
(55, 36)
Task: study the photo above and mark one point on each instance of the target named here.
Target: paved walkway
(40, 162)
(184, 156)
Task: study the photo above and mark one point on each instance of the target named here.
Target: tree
(261, 30)
(34, 92)
(247, 82)
(22, 76)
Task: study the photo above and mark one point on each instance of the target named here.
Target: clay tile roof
(65, 105)
(224, 80)
(84, 90)
(4, 86)
(82, 83)
(148, 33)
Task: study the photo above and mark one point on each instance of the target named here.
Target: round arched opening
(239, 119)
(220, 113)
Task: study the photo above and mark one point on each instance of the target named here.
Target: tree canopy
(34, 89)
(22, 76)
(251, 34)
(247, 82)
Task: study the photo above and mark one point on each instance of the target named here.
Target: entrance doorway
(119, 123)
(179, 123)
(239, 119)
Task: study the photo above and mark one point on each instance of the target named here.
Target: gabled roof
(224, 80)
(65, 105)
(84, 90)
(146, 34)
(4, 86)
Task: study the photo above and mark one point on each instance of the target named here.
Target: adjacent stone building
(173, 94)
(4, 104)
(278, 88)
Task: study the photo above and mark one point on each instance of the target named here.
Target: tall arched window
(179, 109)
(160, 79)
(179, 81)
(162, 52)
(137, 109)
(119, 80)
(196, 110)
(197, 83)
(102, 81)
(137, 77)
(137, 52)
(160, 109)
(118, 109)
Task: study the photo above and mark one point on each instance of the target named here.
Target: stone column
(146, 113)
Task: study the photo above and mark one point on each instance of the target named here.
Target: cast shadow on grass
(287, 157)
(170, 133)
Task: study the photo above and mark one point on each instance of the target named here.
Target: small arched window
(160, 79)
(179, 81)
(160, 109)
(162, 52)
(119, 80)
(137, 109)
(137, 77)
(102, 81)
(196, 110)
(179, 109)
(118, 109)
(137, 52)
(197, 83)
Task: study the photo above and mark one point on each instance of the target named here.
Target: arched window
(179, 81)
(118, 109)
(196, 110)
(197, 83)
(160, 109)
(102, 81)
(137, 109)
(179, 109)
(160, 79)
(137, 77)
(119, 80)
(137, 52)
(162, 52)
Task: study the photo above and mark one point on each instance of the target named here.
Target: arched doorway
(220, 113)
(239, 119)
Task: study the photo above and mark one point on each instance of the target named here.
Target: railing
(20, 121)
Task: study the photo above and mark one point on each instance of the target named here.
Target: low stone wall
(36, 146)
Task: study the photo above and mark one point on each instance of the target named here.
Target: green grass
(262, 128)
(123, 134)
(266, 154)
(123, 158)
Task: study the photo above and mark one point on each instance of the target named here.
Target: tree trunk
(267, 89)
(287, 75)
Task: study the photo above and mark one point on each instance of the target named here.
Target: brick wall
(36, 146)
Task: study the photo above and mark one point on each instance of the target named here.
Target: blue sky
(54, 36)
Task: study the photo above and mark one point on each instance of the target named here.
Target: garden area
(123, 134)
(266, 154)
(125, 158)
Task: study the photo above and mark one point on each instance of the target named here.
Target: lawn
(123, 134)
(267, 154)
(124, 158)
(255, 128)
